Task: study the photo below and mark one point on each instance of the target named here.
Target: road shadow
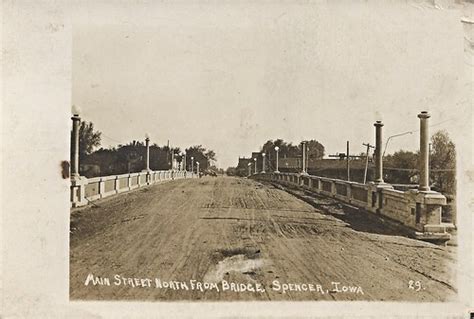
(355, 218)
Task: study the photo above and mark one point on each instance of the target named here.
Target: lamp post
(424, 185)
(76, 122)
(192, 164)
(255, 164)
(183, 161)
(172, 160)
(147, 144)
(250, 168)
(176, 163)
(263, 162)
(303, 157)
(197, 170)
(277, 149)
(77, 183)
(378, 153)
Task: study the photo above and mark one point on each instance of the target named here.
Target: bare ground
(241, 231)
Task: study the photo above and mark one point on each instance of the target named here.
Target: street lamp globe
(76, 110)
(277, 148)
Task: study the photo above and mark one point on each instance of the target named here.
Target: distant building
(243, 162)
(259, 161)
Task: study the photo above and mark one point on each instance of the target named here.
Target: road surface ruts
(255, 233)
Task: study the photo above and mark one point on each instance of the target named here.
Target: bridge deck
(241, 231)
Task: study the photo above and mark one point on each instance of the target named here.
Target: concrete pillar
(76, 123)
(78, 183)
(263, 162)
(333, 189)
(255, 163)
(116, 185)
(319, 185)
(101, 188)
(172, 160)
(378, 153)
(349, 192)
(424, 184)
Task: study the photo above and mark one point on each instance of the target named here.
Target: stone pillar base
(78, 191)
(428, 211)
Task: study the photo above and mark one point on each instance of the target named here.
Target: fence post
(101, 187)
(349, 191)
(116, 184)
(333, 188)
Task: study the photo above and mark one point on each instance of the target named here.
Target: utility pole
(347, 157)
(367, 160)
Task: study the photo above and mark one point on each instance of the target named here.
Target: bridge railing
(85, 190)
(420, 211)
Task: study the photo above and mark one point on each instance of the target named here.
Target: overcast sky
(231, 76)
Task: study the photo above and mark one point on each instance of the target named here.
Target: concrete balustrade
(418, 210)
(85, 190)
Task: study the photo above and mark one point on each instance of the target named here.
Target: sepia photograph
(304, 155)
(225, 160)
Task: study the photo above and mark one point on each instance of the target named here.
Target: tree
(201, 155)
(315, 149)
(88, 139)
(401, 167)
(231, 171)
(443, 163)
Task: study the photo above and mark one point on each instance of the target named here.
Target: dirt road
(204, 239)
